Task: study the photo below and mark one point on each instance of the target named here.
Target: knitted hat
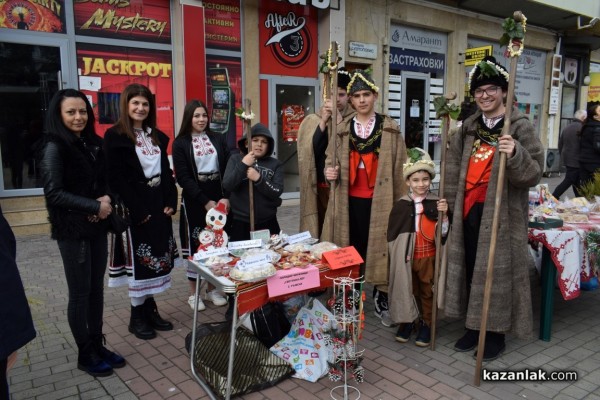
(418, 160)
(343, 78)
(361, 80)
(488, 72)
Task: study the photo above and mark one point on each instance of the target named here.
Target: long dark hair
(124, 124)
(54, 122)
(188, 115)
(591, 111)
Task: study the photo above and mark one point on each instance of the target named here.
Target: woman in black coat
(589, 154)
(73, 173)
(139, 172)
(200, 157)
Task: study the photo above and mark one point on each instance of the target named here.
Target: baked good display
(574, 218)
(323, 247)
(252, 274)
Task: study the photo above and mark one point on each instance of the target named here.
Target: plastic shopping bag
(305, 346)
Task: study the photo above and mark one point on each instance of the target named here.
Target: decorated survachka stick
(246, 116)
(330, 92)
(444, 111)
(513, 37)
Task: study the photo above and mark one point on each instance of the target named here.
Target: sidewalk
(159, 368)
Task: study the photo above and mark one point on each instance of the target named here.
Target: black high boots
(89, 361)
(153, 318)
(111, 358)
(138, 325)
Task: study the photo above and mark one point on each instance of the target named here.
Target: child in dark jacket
(254, 164)
(411, 239)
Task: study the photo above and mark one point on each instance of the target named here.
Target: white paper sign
(300, 237)
(91, 83)
(244, 244)
(204, 254)
(253, 262)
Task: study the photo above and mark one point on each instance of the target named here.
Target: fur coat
(389, 187)
(510, 306)
(309, 216)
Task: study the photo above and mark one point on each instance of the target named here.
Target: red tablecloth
(253, 295)
(568, 251)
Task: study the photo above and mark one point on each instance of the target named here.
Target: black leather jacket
(74, 177)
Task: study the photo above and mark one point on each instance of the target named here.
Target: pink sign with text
(293, 280)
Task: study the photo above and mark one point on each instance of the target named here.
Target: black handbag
(270, 323)
(119, 220)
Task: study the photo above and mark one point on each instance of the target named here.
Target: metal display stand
(347, 310)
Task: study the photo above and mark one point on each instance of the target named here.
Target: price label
(254, 261)
(300, 237)
(244, 244)
(204, 254)
(343, 257)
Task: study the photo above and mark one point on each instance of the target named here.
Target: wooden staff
(441, 214)
(248, 133)
(333, 65)
(519, 18)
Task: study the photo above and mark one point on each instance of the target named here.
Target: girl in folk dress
(200, 157)
(139, 172)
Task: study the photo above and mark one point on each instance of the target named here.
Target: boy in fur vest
(411, 240)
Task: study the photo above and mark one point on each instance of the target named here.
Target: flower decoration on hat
(418, 160)
(361, 80)
(488, 71)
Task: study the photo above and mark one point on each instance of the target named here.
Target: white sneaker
(216, 298)
(192, 301)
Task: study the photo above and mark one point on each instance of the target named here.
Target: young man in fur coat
(472, 174)
(369, 152)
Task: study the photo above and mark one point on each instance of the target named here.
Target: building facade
(266, 51)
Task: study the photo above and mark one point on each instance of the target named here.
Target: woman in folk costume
(313, 138)
(199, 157)
(411, 236)
(369, 153)
(139, 172)
(472, 175)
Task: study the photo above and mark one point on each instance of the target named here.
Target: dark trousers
(84, 262)
(571, 179)
(360, 220)
(471, 226)
(322, 202)
(4, 395)
(586, 172)
(240, 230)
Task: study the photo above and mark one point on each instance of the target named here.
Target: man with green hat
(472, 168)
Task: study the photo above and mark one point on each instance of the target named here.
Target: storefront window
(29, 77)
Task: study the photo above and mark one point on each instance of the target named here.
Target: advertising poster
(147, 20)
(105, 71)
(41, 16)
(222, 24)
(288, 39)
(594, 90)
(292, 116)
(222, 108)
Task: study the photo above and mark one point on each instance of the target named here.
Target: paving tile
(159, 368)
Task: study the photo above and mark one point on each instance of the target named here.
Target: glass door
(30, 74)
(415, 101)
(292, 98)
